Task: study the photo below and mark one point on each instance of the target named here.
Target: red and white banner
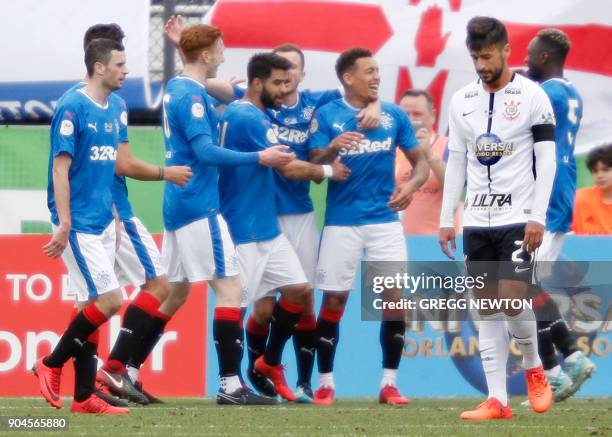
(35, 309)
(421, 43)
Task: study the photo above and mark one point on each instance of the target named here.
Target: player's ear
(506, 50)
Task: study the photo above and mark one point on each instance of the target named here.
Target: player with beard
(267, 260)
(502, 133)
(362, 213)
(546, 56)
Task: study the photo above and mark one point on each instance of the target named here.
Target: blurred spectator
(593, 207)
(423, 214)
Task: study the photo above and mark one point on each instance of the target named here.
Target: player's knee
(297, 294)
(110, 303)
(159, 287)
(334, 301)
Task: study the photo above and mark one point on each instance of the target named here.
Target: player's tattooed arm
(347, 141)
(304, 170)
(61, 189)
(402, 195)
(369, 117)
(135, 168)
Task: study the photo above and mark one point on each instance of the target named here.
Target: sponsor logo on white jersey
(490, 201)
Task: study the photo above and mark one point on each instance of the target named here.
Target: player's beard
(496, 74)
(267, 99)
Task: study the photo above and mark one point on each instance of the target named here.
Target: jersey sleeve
(64, 127)
(542, 117)
(258, 133)
(194, 117)
(123, 121)
(320, 136)
(456, 137)
(324, 97)
(405, 135)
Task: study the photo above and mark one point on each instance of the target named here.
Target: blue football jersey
(362, 199)
(120, 191)
(187, 113)
(291, 124)
(567, 105)
(248, 201)
(89, 133)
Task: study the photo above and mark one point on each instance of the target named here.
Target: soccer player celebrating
(197, 245)
(545, 58)
(502, 130)
(267, 260)
(361, 213)
(84, 139)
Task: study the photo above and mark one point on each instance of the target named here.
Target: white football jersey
(497, 131)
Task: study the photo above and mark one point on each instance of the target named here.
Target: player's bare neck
(195, 72)
(290, 99)
(251, 96)
(556, 73)
(355, 101)
(500, 83)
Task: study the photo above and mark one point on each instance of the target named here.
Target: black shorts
(497, 252)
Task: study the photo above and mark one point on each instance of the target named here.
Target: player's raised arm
(543, 130)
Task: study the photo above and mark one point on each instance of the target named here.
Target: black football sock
(75, 336)
(546, 348)
(136, 321)
(227, 334)
(548, 316)
(392, 342)
(256, 338)
(147, 343)
(85, 367)
(305, 342)
(328, 335)
(285, 316)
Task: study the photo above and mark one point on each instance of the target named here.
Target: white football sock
(571, 358)
(132, 373)
(230, 384)
(389, 377)
(494, 347)
(554, 372)
(525, 332)
(326, 379)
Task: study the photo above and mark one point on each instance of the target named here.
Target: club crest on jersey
(66, 128)
(511, 110)
(386, 121)
(314, 126)
(108, 127)
(548, 118)
(489, 149)
(307, 112)
(124, 118)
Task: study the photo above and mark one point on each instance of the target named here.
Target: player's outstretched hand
(401, 197)
(276, 156)
(369, 117)
(534, 233)
(341, 171)
(347, 141)
(173, 28)
(448, 235)
(56, 246)
(178, 174)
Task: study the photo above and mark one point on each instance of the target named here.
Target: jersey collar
(82, 91)
(193, 80)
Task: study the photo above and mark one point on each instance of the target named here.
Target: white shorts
(547, 254)
(301, 231)
(89, 259)
(199, 251)
(138, 259)
(342, 248)
(266, 266)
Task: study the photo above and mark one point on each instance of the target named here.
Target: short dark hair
(347, 59)
(555, 42)
(107, 31)
(483, 32)
(288, 47)
(261, 65)
(99, 50)
(601, 154)
(417, 92)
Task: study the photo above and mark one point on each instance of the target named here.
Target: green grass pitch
(363, 417)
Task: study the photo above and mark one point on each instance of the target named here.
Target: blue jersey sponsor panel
(89, 133)
(362, 199)
(247, 193)
(188, 112)
(567, 105)
(291, 124)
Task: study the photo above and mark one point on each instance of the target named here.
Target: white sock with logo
(494, 348)
(326, 379)
(389, 377)
(524, 330)
(230, 384)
